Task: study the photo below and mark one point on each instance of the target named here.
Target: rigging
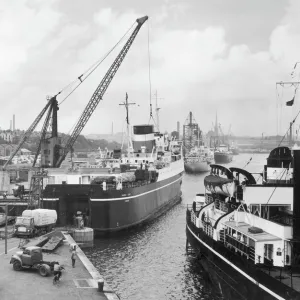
(52, 153)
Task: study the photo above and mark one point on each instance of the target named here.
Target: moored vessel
(142, 185)
(222, 155)
(245, 231)
(133, 186)
(197, 156)
(198, 160)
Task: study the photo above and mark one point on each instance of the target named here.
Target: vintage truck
(35, 222)
(32, 258)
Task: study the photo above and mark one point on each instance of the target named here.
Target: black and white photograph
(149, 150)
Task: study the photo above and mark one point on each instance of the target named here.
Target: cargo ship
(246, 231)
(135, 185)
(141, 185)
(222, 155)
(197, 156)
(198, 160)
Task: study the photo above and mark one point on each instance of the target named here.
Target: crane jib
(99, 92)
(58, 152)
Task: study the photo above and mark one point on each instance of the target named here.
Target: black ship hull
(222, 157)
(232, 277)
(113, 210)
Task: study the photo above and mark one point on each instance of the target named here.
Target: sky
(209, 57)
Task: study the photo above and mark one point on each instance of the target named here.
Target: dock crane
(229, 131)
(52, 152)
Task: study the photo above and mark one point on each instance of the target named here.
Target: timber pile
(53, 243)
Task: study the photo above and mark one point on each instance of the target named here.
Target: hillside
(109, 137)
(81, 144)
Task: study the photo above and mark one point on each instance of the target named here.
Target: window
(26, 252)
(233, 232)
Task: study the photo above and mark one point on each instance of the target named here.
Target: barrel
(84, 237)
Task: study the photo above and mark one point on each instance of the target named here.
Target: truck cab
(32, 258)
(25, 226)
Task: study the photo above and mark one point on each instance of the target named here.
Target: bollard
(100, 285)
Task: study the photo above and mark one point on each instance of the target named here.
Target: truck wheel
(17, 265)
(44, 270)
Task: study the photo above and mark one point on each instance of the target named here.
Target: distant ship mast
(295, 84)
(191, 133)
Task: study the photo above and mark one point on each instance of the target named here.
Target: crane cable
(91, 69)
(149, 78)
(294, 120)
(247, 163)
(276, 186)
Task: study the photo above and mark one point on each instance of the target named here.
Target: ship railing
(191, 214)
(239, 246)
(245, 261)
(221, 205)
(113, 186)
(196, 207)
(208, 229)
(208, 198)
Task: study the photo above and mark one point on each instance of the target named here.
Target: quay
(80, 282)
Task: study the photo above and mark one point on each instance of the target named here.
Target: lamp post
(6, 212)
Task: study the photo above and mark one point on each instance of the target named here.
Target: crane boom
(98, 94)
(27, 133)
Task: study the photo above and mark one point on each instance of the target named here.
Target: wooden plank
(52, 244)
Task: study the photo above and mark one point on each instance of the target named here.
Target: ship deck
(258, 237)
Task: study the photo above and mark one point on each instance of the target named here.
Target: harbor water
(150, 262)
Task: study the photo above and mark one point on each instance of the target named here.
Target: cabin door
(268, 253)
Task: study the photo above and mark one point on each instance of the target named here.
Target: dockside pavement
(76, 283)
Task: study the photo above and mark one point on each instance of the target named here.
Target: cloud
(42, 49)
(21, 28)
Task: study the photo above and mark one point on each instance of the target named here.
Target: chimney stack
(178, 128)
(14, 124)
(10, 124)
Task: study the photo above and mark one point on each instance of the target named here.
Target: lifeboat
(218, 185)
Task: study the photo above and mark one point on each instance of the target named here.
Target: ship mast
(157, 110)
(295, 84)
(126, 105)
